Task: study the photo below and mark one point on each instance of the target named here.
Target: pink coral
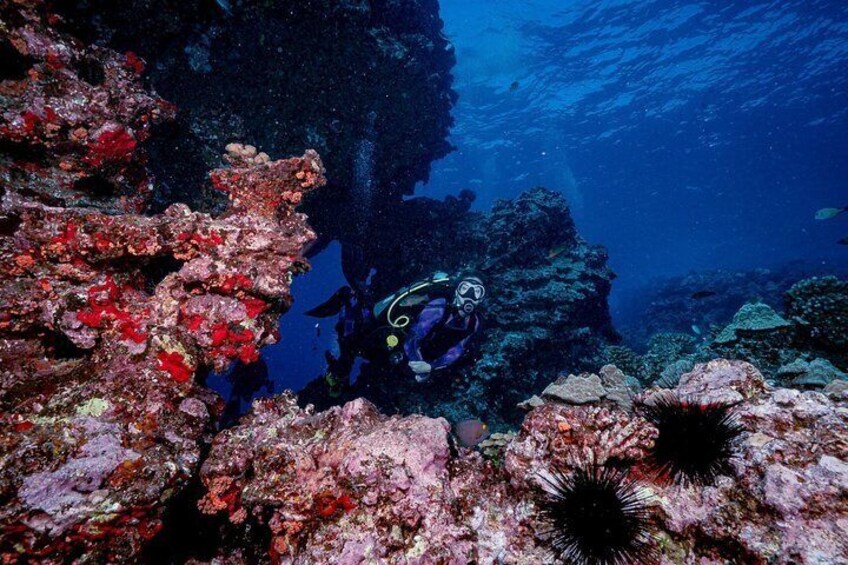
(342, 482)
(416, 503)
(785, 502)
(570, 437)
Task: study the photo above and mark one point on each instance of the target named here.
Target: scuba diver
(425, 326)
(442, 330)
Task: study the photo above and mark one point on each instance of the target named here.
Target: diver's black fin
(332, 305)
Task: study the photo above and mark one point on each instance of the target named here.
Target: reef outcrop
(800, 344)
(108, 313)
(341, 486)
(366, 84)
(349, 482)
(703, 299)
(545, 309)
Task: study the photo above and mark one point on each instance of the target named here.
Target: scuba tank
(393, 314)
(390, 318)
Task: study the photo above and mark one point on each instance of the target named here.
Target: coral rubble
(107, 313)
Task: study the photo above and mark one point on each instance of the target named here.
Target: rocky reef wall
(545, 310)
(108, 311)
(350, 484)
(334, 76)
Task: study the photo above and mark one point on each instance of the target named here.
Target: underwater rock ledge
(366, 84)
(350, 485)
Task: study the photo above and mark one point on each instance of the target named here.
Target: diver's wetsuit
(439, 335)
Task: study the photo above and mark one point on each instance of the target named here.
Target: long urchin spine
(597, 516)
(696, 440)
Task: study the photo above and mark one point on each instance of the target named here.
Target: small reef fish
(843, 241)
(828, 213)
(514, 86)
(696, 330)
(556, 250)
(701, 294)
(225, 6)
(471, 432)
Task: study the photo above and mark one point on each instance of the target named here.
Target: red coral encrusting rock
(350, 485)
(73, 117)
(106, 314)
(339, 486)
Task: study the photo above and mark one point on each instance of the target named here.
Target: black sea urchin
(597, 517)
(695, 441)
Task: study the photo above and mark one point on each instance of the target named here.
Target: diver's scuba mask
(469, 294)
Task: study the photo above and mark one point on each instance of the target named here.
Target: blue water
(686, 136)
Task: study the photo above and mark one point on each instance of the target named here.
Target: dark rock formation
(703, 299)
(804, 347)
(107, 314)
(545, 311)
(367, 84)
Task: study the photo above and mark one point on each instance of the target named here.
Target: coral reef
(545, 309)
(817, 373)
(781, 500)
(804, 347)
(112, 310)
(699, 300)
(819, 306)
(108, 313)
(73, 120)
(350, 484)
(378, 110)
(346, 483)
(753, 321)
(611, 385)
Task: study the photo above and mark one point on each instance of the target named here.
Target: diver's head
(468, 295)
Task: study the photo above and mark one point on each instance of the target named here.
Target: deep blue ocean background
(685, 135)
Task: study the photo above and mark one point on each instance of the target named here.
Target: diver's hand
(421, 369)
